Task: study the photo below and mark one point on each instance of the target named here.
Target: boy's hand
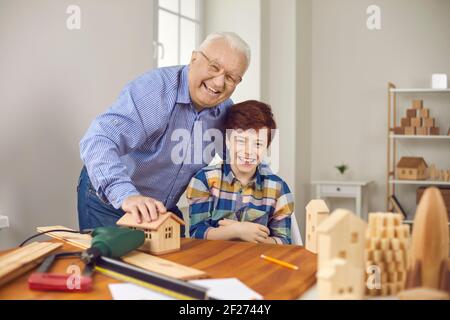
(247, 231)
(226, 222)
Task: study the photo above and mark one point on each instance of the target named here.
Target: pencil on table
(279, 262)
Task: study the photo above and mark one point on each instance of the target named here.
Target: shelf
(420, 182)
(419, 90)
(417, 137)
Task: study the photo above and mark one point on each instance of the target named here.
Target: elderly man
(128, 151)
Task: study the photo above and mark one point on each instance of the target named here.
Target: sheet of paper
(129, 291)
(228, 289)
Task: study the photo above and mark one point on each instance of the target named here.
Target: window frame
(199, 34)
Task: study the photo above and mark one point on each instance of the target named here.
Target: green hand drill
(112, 242)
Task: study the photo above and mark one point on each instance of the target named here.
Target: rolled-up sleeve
(200, 205)
(280, 221)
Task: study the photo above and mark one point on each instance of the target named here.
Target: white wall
(278, 78)
(351, 67)
(53, 82)
(244, 18)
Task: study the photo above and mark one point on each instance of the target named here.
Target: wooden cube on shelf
(410, 131)
(399, 131)
(416, 122)
(434, 131)
(406, 122)
(424, 113)
(428, 122)
(422, 131)
(411, 113)
(417, 104)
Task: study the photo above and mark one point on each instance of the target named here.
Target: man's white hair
(235, 42)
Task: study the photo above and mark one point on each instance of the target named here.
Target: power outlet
(4, 222)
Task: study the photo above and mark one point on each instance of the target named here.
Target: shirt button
(115, 122)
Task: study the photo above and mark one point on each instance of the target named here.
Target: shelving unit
(393, 140)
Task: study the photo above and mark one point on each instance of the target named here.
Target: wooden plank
(22, 260)
(140, 259)
(163, 266)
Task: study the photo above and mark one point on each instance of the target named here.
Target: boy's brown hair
(251, 114)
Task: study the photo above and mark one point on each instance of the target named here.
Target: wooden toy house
(341, 267)
(161, 236)
(316, 212)
(412, 168)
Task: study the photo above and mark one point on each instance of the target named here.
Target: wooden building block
(388, 256)
(392, 289)
(399, 130)
(410, 131)
(395, 244)
(390, 232)
(384, 244)
(375, 243)
(422, 131)
(406, 122)
(391, 266)
(392, 277)
(417, 104)
(434, 131)
(416, 122)
(377, 256)
(398, 255)
(389, 220)
(411, 113)
(428, 122)
(424, 113)
(398, 219)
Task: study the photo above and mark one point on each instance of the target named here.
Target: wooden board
(24, 259)
(140, 259)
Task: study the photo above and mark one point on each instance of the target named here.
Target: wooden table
(220, 259)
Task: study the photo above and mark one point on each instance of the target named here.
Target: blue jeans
(94, 212)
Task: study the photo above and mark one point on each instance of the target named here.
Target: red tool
(42, 280)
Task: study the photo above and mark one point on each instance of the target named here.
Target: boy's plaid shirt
(215, 194)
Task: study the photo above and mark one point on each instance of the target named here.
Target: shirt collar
(229, 177)
(183, 96)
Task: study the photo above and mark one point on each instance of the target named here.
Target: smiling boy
(241, 199)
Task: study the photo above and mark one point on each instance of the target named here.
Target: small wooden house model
(341, 266)
(412, 168)
(316, 212)
(161, 236)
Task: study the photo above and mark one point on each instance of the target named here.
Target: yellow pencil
(281, 263)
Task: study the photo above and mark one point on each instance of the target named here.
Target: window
(168, 232)
(354, 237)
(148, 235)
(342, 254)
(178, 31)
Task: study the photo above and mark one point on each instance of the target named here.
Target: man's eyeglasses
(215, 69)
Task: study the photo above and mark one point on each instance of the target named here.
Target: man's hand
(143, 209)
(247, 231)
